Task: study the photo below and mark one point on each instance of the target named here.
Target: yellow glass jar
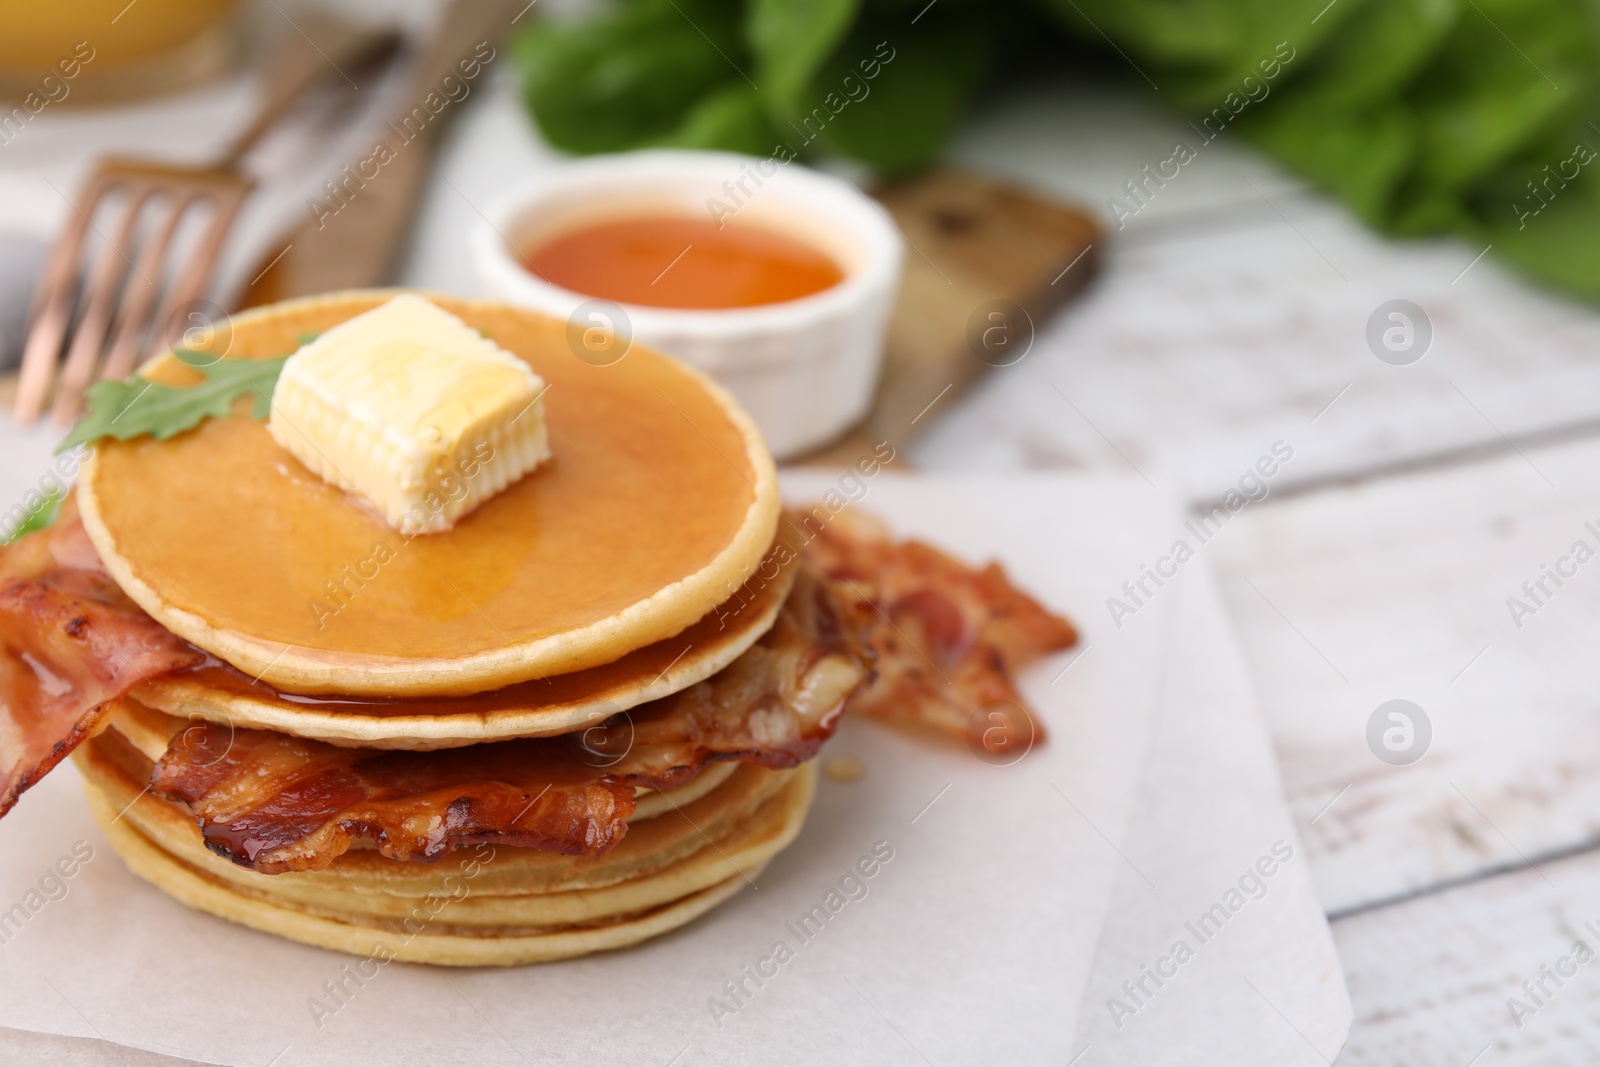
(108, 50)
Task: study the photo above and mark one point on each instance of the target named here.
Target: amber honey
(683, 262)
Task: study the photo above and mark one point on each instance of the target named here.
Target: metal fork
(118, 294)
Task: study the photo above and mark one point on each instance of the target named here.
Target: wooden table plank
(1204, 344)
(1432, 979)
(1397, 589)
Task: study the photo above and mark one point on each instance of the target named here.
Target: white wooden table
(1231, 315)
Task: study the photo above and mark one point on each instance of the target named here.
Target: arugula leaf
(1372, 56)
(1198, 51)
(137, 406)
(732, 118)
(629, 75)
(791, 39)
(1558, 247)
(39, 518)
(904, 116)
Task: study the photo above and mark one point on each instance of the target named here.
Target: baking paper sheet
(1261, 983)
(972, 943)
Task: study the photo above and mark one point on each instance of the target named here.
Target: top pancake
(658, 503)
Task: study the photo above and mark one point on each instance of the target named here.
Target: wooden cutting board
(986, 263)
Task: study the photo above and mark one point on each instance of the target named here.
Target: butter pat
(413, 411)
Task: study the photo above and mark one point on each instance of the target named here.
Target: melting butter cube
(412, 410)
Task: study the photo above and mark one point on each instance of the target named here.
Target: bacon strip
(276, 803)
(71, 642)
(947, 638)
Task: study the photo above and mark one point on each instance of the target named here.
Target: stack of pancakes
(624, 596)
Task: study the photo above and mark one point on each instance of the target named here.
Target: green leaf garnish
(136, 406)
(38, 518)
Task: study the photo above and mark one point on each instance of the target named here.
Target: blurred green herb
(136, 406)
(39, 517)
(1475, 117)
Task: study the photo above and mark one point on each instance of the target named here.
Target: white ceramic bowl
(805, 369)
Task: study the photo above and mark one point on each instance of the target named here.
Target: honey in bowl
(680, 262)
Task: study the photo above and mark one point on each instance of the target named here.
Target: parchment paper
(1265, 985)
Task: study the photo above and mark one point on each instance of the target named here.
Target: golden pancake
(194, 889)
(659, 503)
(465, 923)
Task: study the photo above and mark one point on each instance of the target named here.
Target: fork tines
(101, 308)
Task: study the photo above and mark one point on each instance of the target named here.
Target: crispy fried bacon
(276, 803)
(71, 642)
(947, 638)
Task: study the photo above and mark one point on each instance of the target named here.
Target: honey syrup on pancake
(284, 557)
(659, 492)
